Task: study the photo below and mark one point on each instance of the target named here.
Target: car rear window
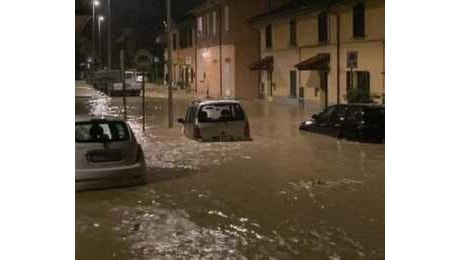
(220, 113)
(375, 116)
(129, 75)
(97, 132)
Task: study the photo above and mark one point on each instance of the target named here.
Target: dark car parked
(356, 122)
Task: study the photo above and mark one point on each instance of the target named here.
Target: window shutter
(268, 36)
(322, 27)
(358, 20)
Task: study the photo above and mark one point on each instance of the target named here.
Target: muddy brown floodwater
(285, 195)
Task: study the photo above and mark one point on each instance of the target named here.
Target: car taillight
(197, 133)
(247, 132)
(139, 154)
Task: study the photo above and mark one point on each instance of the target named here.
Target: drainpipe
(220, 46)
(383, 78)
(337, 15)
(195, 69)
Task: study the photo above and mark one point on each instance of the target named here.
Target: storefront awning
(264, 64)
(318, 62)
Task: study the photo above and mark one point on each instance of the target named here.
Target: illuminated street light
(100, 19)
(109, 35)
(95, 3)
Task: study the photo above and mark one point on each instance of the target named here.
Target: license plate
(104, 156)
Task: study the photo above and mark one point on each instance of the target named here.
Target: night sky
(143, 17)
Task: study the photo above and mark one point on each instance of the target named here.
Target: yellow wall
(307, 30)
(209, 64)
(370, 50)
(285, 61)
(280, 36)
(374, 21)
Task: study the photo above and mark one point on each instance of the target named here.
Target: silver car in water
(216, 120)
(106, 154)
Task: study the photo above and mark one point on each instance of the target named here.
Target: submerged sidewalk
(161, 91)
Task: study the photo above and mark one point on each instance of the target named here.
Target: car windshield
(325, 115)
(98, 132)
(220, 113)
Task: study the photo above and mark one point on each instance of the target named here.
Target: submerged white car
(107, 154)
(216, 121)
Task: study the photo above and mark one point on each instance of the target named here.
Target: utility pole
(122, 68)
(95, 3)
(109, 38)
(170, 94)
(99, 21)
(220, 50)
(143, 100)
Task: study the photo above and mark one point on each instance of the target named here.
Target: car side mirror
(181, 121)
(314, 117)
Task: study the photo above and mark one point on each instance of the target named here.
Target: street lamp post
(101, 18)
(109, 37)
(95, 3)
(170, 94)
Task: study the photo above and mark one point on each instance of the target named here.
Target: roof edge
(292, 9)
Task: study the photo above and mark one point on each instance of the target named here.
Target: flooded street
(285, 195)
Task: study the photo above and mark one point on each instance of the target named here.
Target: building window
(208, 23)
(358, 20)
(227, 18)
(200, 26)
(359, 82)
(182, 39)
(322, 27)
(174, 41)
(205, 26)
(268, 36)
(190, 37)
(214, 23)
(293, 33)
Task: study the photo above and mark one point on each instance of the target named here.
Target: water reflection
(285, 195)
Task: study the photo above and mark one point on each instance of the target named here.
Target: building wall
(183, 59)
(208, 70)
(370, 51)
(239, 49)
